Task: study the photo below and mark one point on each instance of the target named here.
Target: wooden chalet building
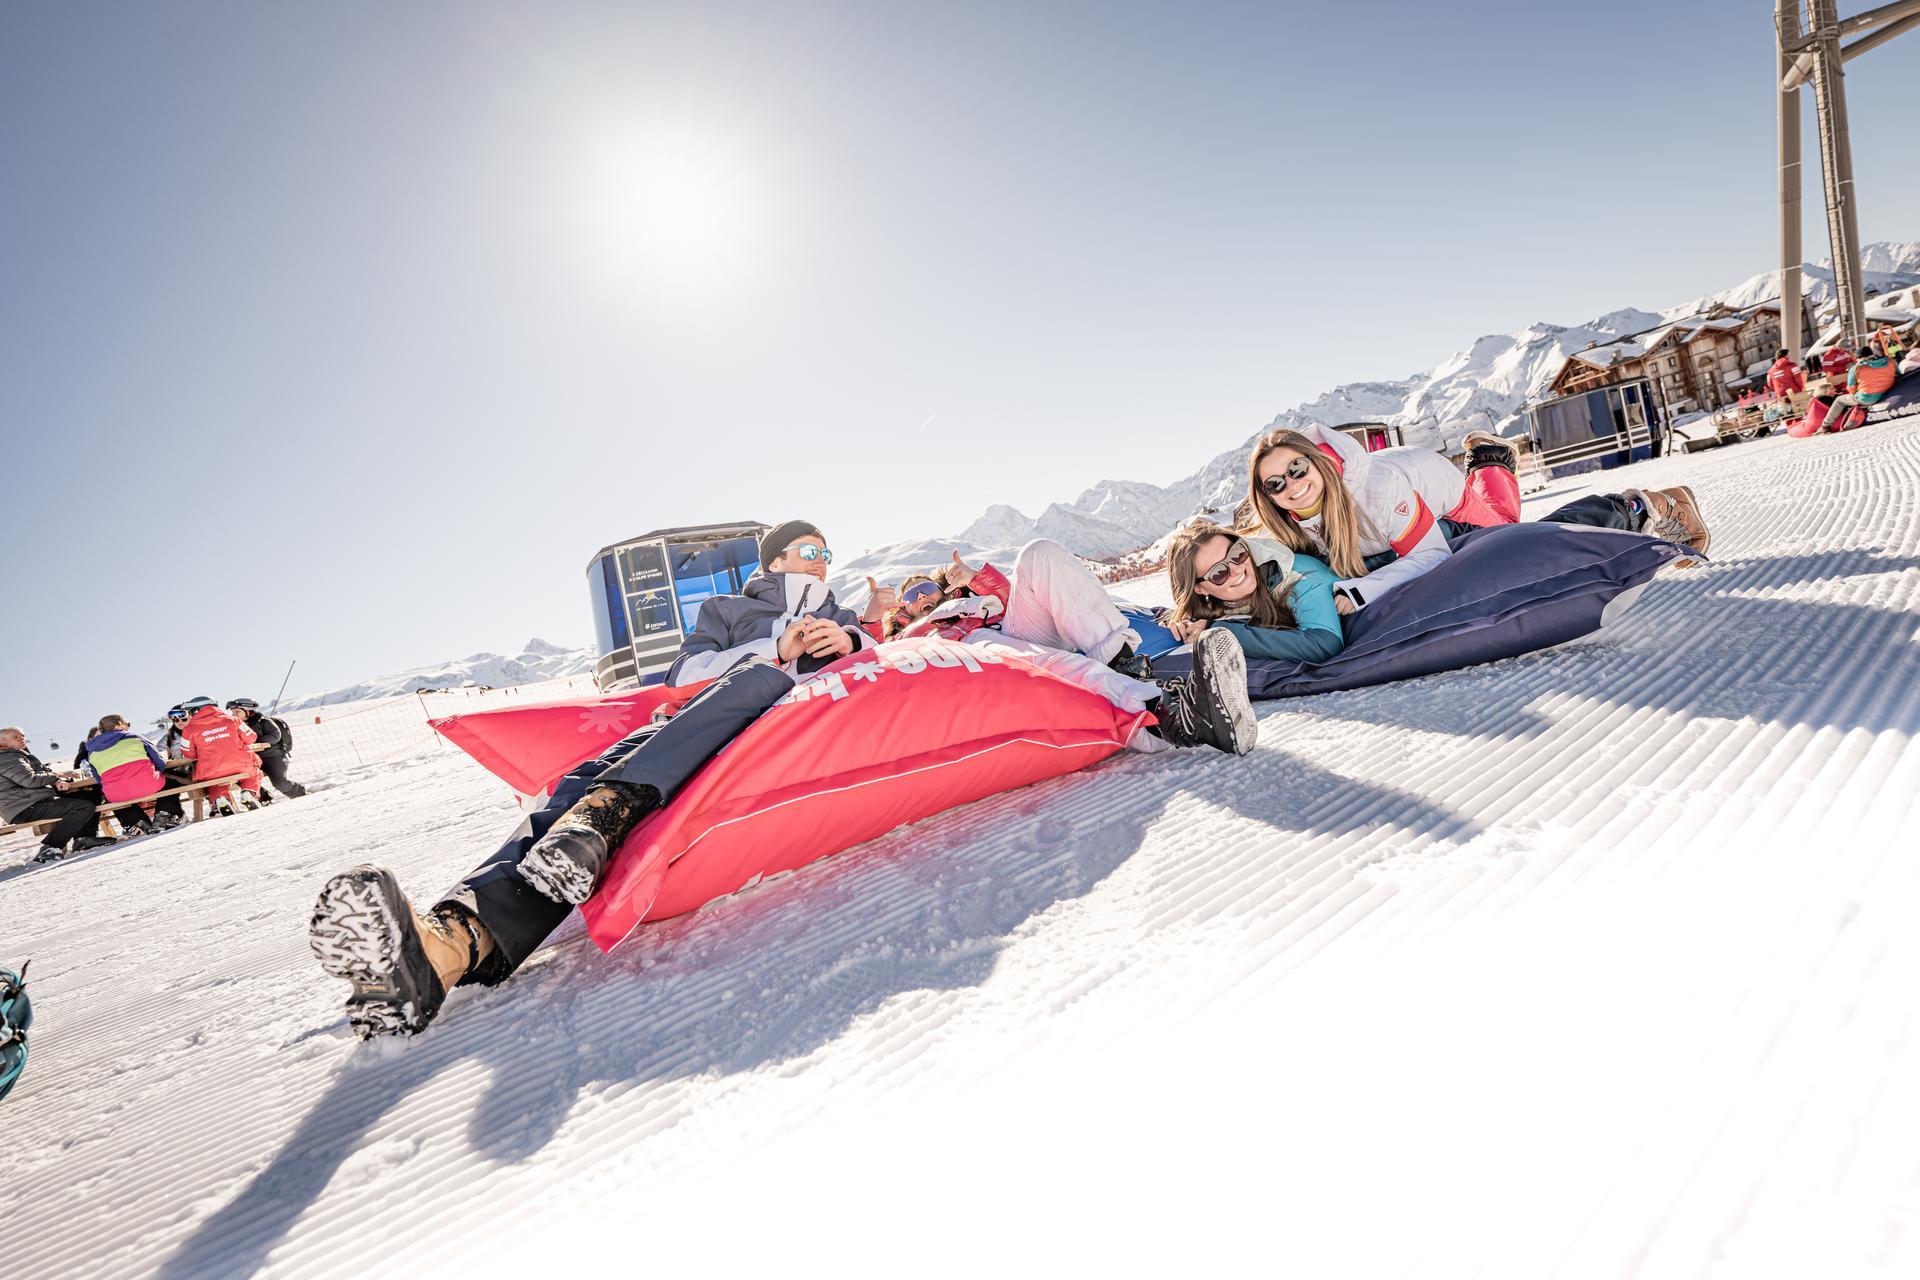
(1698, 362)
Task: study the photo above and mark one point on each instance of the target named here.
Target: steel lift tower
(1814, 51)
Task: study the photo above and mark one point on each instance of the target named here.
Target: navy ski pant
(1600, 510)
(661, 756)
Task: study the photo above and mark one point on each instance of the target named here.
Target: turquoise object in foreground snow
(16, 1015)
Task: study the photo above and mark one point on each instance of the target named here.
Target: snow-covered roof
(1611, 354)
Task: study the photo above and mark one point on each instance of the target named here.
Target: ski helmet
(192, 705)
(16, 1015)
(242, 704)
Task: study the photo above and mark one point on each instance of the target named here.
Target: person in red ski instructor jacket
(1836, 363)
(219, 744)
(1785, 378)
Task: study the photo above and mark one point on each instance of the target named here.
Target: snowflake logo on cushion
(601, 719)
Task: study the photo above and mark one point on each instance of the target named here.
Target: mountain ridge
(1483, 386)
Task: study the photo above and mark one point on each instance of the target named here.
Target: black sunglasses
(1295, 470)
(1237, 555)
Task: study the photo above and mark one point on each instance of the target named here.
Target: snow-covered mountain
(539, 660)
(1483, 387)
(1884, 265)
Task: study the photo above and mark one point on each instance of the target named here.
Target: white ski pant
(1057, 602)
(1123, 692)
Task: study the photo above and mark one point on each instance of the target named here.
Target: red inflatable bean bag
(532, 747)
(878, 739)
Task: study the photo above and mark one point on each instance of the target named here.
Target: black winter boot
(565, 864)
(1135, 666)
(1210, 708)
(1485, 450)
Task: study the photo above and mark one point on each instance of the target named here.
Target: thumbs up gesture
(879, 600)
(959, 574)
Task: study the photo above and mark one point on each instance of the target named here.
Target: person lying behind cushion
(785, 613)
(917, 596)
(1278, 602)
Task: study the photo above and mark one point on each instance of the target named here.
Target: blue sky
(347, 332)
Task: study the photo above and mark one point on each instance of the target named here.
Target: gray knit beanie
(782, 536)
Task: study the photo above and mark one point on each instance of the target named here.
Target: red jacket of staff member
(218, 744)
(1836, 362)
(1785, 377)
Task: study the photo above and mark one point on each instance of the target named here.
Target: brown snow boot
(1674, 514)
(566, 863)
(401, 964)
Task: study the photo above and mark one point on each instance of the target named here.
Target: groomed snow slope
(1598, 962)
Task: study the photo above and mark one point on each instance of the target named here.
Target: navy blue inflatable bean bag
(1506, 590)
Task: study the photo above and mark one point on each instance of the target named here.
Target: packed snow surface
(1596, 962)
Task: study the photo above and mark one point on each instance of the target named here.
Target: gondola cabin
(647, 591)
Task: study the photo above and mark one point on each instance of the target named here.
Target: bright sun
(678, 207)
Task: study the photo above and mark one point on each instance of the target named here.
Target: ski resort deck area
(1597, 962)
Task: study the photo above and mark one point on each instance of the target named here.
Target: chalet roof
(1684, 329)
(1610, 355)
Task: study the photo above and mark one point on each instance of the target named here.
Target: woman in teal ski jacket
(1279, 602)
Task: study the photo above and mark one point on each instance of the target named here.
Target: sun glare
(675, 208)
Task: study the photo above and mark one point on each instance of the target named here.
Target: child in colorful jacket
(1868, 380)
(130, 770)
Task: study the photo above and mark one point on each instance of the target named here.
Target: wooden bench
(196, 793)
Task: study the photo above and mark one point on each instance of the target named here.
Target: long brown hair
(1341, 522)
(1267, 608)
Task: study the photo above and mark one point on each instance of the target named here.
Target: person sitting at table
(219, 745)
(131, 771)
(271, 733)
(31, 792)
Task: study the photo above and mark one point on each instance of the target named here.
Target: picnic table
(195, 792)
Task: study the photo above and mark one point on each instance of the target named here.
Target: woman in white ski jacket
(1319, 492)
(1322, 494)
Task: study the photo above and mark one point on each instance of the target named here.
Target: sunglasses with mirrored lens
(1236, 556)
(807, 551)
(1295, 470)
(919, 591)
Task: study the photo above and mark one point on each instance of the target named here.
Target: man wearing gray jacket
(785, 614)
(31, 792)
(752, 646)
